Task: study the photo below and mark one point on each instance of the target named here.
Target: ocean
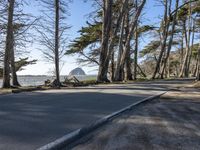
(30, 80)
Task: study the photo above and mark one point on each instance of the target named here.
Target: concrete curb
(77, 134)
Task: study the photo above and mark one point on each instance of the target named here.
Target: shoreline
(86, 83)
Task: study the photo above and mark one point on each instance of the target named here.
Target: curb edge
(79, 133)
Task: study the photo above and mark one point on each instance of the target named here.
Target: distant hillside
(77, 71)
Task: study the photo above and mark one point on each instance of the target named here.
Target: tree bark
(9, 45)
(136, 50)
(170, 43)
(142, 72)
(118, 74)
(57, 19)
(181, 50)
(107, 21)
(192, 44)
(112, 67)
(163, 45)
(127, 67)
(132, 28)
(184, 70)
(105, 58)
(198, 67)
(13, 68)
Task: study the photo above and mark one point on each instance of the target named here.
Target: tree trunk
(118, 74)
(184, 70)
(13, 68)
(112, 66)
(164, 40)
(196, 67)
(57, 18)
(135, 55)
(132, 28)
(127, 67)
(170, 42)
(136, 50)
(198, 70)
(181, 50)
(192, 45)
(9, 45)
(184, 67)
(107, 21)
(141, 71)
(111, 43)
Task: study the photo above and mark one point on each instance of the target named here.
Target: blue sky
(79, 11)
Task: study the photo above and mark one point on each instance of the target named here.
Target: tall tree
(106, 29)
(198, 66)
(187, 33)
(12, 63)
(164, 36)
(57, 18)
(170, 40)
(136, 48)
(9, 45)
(20, 35)
(53, 36)
(133, 24)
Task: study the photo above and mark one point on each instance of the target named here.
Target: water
(39, 80)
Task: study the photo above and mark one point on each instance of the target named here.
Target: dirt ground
(169, 123)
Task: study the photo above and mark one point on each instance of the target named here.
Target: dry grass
(5, 91)
(189, 94)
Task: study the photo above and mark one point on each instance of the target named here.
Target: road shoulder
(170, 122)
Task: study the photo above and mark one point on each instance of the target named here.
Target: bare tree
(52, 30)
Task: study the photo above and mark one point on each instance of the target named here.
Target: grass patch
(5, 91)
(89, 82)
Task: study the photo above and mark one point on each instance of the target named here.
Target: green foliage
(145, 28)
(195, 49)
(150, 48)
(16, 26)
(20, 64)
(184, 11)
(176, 31)
(24, 62)
(198, 22)
(196, 8)
(88, 36)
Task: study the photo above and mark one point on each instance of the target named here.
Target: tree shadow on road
(30, 120)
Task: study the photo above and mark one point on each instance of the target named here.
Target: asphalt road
(169, 123)
(31, 120)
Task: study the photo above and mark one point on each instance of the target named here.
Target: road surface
(31, 120)
(168, 123)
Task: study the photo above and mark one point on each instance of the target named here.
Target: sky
(79, 11)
